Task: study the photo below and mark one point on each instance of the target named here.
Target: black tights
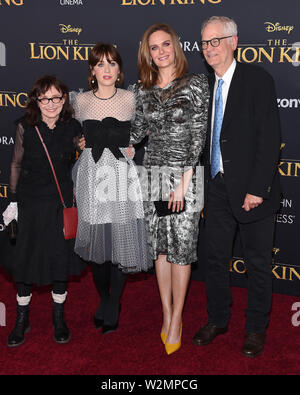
(59, 287)
(109, 281)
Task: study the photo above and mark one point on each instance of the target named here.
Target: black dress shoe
(254, 344)
(207, 334)
(98, 322)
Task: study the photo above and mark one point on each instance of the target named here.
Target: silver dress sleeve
(199, 96)
(139, 124)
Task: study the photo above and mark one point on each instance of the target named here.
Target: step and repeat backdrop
(55, 36)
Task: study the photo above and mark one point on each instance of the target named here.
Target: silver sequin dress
(110, 208)
(175, 118)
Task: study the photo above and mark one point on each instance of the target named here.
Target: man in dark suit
(241, 183)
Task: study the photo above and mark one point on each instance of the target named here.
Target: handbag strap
(51, 165)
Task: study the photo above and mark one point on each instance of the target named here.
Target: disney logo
(271, 27)
(70, 29)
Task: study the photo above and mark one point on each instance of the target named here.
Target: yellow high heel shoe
(170, 348)
(163, 337)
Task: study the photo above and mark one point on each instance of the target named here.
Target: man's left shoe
(254, 344)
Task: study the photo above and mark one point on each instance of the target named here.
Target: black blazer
(250, 142)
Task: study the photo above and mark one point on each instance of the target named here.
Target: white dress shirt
(227, 77)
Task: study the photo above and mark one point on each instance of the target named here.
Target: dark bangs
(97, 54)
(40, 87)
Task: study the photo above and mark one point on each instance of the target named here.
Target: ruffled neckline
(44, 125)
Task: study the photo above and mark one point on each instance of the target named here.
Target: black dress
(41, 255)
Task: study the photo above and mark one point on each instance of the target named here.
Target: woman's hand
(10, 213)
(81, 143)
(130, 151)
(176, 201)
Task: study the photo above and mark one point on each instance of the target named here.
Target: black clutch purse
(12, 229)
(162, 210)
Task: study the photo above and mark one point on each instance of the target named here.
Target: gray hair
(230, 27)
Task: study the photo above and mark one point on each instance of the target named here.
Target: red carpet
(135, 348)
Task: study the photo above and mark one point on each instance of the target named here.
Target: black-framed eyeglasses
(214, 42)
(46, 100)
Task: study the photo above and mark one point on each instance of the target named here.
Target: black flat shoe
(98, 322)
(109, 328)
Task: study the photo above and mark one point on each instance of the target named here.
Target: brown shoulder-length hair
(40, 87)
(97, 54)
(147, 69)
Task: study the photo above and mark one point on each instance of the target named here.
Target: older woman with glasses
(41, 255)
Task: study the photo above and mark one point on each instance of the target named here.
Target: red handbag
(70, 215)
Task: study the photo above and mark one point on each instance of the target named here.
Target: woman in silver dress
(171, 108)
(111, 229)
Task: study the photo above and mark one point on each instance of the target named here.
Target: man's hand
(251, 201)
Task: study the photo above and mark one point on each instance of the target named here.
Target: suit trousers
(257, 243)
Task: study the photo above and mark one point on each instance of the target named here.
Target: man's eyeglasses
(214, 42)
(46, 100)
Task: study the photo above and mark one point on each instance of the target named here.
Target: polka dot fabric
(109, 199)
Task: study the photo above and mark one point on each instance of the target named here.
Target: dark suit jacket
(250, 142)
